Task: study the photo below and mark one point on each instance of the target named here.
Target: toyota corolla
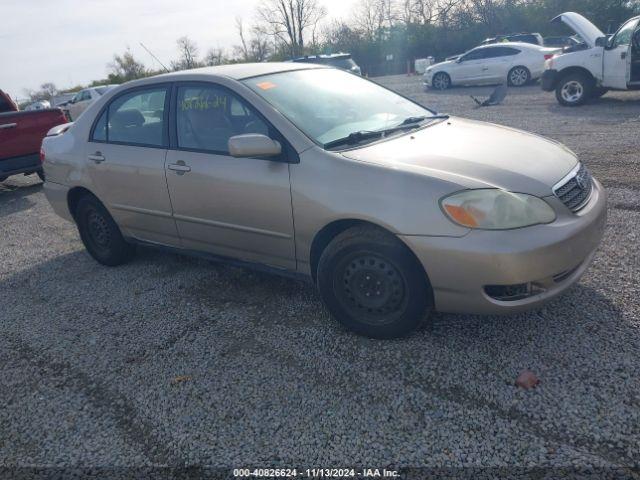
(390, 208)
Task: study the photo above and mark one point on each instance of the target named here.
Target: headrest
(127, 118)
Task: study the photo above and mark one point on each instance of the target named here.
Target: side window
(207, 116)
(138, 118)
(85, 95)
(474, 55)
(492, 52)
(623, 37)
(100, 129)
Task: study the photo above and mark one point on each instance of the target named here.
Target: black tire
(2, 179)
(599, 92)
(519, 76)
(372, 283)
(441, 81)
(41, 175)
(574, 89)
(100, 234)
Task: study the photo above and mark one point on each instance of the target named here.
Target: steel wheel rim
(519, 76)
(98, 229)
(572, 91)
(371, 288)
(440, 81)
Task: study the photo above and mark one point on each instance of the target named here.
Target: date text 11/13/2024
(315, 473)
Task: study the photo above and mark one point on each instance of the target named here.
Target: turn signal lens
(491, 209)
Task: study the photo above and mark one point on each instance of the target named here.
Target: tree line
(382, 35)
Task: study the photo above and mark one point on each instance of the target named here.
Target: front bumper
(553, 257)
(549, 80)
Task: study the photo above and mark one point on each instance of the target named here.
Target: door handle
(96, 157)
(623, 55)
(8, 125)
(180, 167)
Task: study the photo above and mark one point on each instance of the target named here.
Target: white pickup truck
(600, 65)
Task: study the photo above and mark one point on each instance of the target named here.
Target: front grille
(576, 191)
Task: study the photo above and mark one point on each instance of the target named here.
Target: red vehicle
(21, 135)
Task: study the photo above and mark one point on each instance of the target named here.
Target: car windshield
(328, 104)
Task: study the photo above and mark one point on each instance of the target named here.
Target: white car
(517, 63)
(605, 64)
(83, 99)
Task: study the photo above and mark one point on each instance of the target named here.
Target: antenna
(154, 57)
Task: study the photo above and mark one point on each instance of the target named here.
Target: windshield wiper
(412, 120)
(361, 135)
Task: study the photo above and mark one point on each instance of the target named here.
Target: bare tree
(242, 49)
(214, 56)
(45, 92)
(125, 67)
(254, 47)
(188, 58)
(290, 21)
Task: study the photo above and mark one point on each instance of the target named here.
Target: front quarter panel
(327, 187)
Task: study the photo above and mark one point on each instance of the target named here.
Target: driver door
(472, 67)
(234, 207)
(617, 57)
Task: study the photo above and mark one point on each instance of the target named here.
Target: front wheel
(519, 76)
(574, 89)
(100, 234)
(372, 283)
(441, 81)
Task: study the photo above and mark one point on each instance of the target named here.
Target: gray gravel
(177, 361)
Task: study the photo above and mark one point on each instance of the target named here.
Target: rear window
(344, 63)
(4, 105)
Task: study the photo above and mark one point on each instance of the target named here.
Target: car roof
(240, 71)
(508, 44)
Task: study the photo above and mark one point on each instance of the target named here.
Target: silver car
(390, 208)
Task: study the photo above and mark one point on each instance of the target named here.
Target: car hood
(448, 63)
(583, 27)
(472, 154)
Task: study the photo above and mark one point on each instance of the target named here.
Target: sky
(70, 42)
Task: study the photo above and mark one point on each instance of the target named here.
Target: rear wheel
(519, 76)
(100, 234)
(441, 81)
(372, 283)
(574, 89)
(41, 174)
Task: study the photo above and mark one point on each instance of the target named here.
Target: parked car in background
(516, 63)
(390, 208)
(562, 41)
(342, 61)
(21, 135)
(83, 99)
(533, 38)
(607, 63)
(39, 105)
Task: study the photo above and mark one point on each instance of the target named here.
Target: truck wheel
(574, 89)
(2, 179)
(372, 284)
(519, 76)
(100, 234)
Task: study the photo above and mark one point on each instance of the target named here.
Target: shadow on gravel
(605, 110)
(15, 198)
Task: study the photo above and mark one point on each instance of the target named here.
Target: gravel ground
(178, 361)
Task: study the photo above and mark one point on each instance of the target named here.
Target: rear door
(498, 60)
(617, 57)
(125, 159)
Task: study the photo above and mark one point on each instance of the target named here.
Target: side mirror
(253, 145)
(602, 42)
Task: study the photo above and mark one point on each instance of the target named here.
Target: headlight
(496, 209)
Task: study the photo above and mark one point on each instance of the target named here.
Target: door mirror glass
(253, 145)
(602, 42)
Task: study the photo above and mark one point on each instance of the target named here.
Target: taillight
(549, 56)
(41, 155)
